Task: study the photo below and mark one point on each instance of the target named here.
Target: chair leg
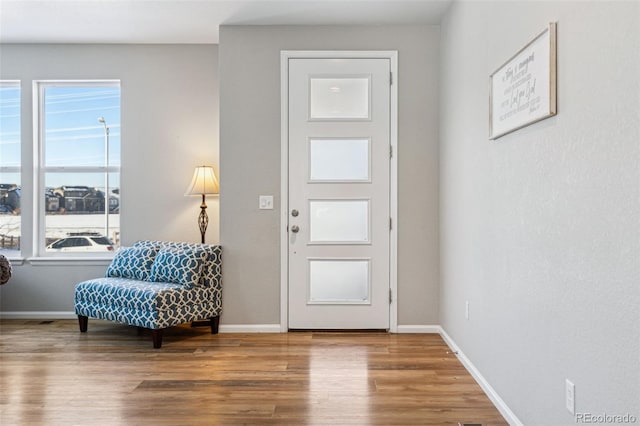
(83, 322)
(215, 323)
(156, 336)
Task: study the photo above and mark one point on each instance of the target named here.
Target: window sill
(70, 261)
(15, 261)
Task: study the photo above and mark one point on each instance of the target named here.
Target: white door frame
(285, 55)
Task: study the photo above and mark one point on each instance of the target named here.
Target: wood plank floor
(50, 374)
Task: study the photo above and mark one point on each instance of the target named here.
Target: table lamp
(204, 183)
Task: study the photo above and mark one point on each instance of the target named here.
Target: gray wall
(169, 98)
(250, 145)
(540, 229)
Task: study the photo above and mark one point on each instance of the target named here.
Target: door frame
(285, 55)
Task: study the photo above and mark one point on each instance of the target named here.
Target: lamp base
(203, 219)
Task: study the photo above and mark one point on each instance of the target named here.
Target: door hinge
(390, 224)
(390, 151)
(390, 296)
(390, 78)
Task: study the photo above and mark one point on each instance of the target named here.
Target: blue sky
(73, 135)
(9, 126)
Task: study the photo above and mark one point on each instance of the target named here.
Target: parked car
(82, 243)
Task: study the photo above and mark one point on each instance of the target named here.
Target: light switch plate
(266, 202)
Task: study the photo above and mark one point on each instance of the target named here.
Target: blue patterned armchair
(156, 285)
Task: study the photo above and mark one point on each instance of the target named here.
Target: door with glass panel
(339, 159)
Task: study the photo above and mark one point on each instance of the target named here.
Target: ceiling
(191, 21)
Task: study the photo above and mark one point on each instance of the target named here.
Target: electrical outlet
(266, 202)
(466, 310)
(570, 396)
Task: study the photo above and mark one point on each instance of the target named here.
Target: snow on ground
(60, 225)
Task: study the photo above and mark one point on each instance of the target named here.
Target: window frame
(40, 170)
(15, 169)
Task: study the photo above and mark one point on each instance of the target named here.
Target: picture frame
(523, 90)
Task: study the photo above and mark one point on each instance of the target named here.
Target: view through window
(10, 182)
(80, 166)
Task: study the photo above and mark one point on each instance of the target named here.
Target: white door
(339, 218)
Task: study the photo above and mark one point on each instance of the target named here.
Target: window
(10, 181)
(78, 167)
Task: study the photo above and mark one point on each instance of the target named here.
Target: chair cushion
(178, 266)
(145, 304)
(139, 295)
(212, 271)
(132, 262)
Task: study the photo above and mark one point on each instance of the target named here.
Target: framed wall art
(523, 90)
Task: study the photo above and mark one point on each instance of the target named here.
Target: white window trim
(62, 260)
(19, 259)
(40, 255)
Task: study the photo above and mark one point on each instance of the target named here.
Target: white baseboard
(38, 315)
(484, 384)
(428, 329)
(249, 328)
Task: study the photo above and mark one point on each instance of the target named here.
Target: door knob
(295, 229)
(295, 213)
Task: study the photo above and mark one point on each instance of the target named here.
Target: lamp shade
(204, 182)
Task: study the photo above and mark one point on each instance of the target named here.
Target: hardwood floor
(51, 374)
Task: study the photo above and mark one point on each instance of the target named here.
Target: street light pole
(106, 176)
